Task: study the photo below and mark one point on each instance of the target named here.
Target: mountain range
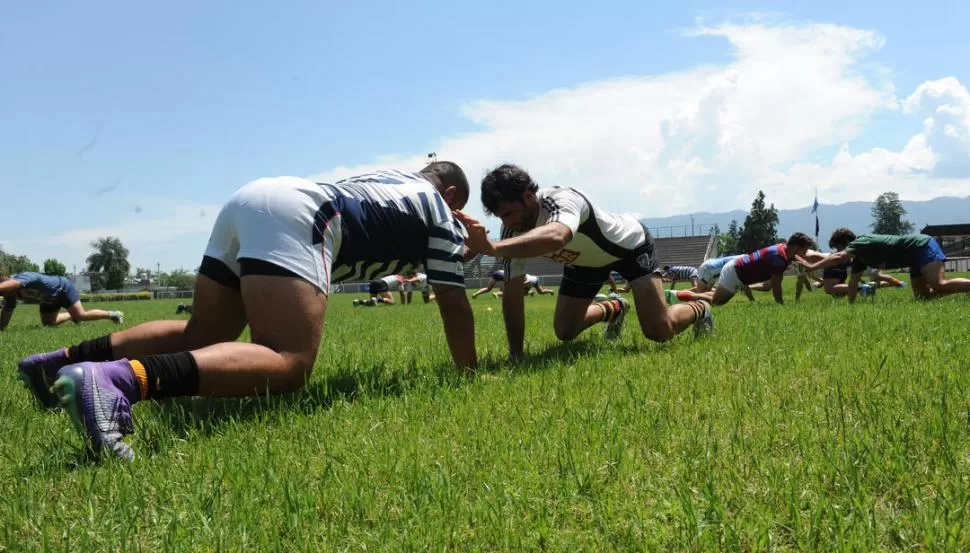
(855, 215)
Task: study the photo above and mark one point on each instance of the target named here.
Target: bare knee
(661, 330)
(565, 332)
(296, 374)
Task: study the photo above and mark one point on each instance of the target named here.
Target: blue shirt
(43, 288)
(720, 262)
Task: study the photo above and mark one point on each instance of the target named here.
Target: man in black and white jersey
(679, 273)
(562, 224)
(275, 249)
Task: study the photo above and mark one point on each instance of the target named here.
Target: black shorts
(836, 273)
(221, 273)
(68, 297)
(585, 282)
(377, 286)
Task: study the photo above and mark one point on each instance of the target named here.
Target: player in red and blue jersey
(767, 264)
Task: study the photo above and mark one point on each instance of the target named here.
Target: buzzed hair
(449, 174)
(800, 239)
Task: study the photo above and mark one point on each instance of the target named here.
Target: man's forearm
(536, 242)
(513, 312)
(459, 322)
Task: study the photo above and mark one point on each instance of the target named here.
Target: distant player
(532, 287)
(612, 282)
(53, 293)
(380, 291)
(494, 278)
(418, 282)
(834, 279)
(921, 253)
(276, 248)
(680, 273)
(563, 225)
(183, 308)
(767, 264)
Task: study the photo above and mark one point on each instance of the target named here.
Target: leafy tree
(20, 264)
(760, 226)
(728, 241)
(181, 279)
(54, 267)
(111, 257)
(887, 215)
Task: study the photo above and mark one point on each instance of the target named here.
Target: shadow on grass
(206, 415)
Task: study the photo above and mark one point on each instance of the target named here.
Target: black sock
(170, 375)
(98, 349)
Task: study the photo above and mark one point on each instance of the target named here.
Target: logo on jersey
(564, 256)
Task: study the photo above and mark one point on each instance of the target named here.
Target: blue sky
(139, 121)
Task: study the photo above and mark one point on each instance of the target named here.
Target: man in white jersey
(532, 287)
(275, 249)
(380, 290)
(418, 282)
(563, 225)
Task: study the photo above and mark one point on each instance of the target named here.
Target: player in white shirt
(678, 273)
(532, 287)
(418, 282)
(275, 248)
(380, 290)
(562, 224)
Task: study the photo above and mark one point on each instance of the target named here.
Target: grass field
(817, 426)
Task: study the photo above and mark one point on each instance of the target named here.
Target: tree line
(760, 227)
(107, 266)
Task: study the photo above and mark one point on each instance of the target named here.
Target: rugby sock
(98, 349)
(699, 307)
(611, 308)
(166, 375)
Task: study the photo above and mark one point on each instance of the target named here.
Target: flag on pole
(815, 211)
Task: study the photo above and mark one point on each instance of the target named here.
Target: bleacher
(682, 250)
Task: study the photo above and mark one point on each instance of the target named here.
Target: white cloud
(149, 237)
(708, 137)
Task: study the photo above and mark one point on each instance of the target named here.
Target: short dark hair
(800, 239)
(841, 238)
(505, 183)
(666, 267)
(449, 174)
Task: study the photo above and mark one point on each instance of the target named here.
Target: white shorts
(708, 274)
(729, 278)
(272, 219)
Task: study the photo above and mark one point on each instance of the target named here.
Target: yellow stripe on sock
(141, 376)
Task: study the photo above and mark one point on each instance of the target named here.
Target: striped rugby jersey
(682, 272)
(391, 223)
(599, 238)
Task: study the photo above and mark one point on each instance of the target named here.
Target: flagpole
(815, 211)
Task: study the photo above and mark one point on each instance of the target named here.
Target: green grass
(812, 427)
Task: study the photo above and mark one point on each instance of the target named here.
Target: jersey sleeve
(446, 250)
(566, 206)
(26, 279)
